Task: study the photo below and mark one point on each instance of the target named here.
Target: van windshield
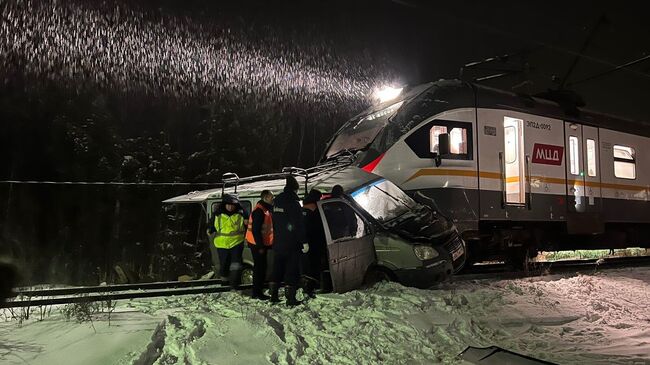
(383, 200)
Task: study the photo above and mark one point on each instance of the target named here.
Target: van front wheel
(378, 274)
(247, 275)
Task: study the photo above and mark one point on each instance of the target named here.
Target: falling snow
(118, 46)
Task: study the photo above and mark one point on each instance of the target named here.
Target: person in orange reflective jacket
(260, 239)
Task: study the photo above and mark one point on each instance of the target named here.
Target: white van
(394, 237)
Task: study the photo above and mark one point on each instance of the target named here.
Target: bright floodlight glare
(387, 93)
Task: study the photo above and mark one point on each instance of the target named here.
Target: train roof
(435, 97)
(488, 97)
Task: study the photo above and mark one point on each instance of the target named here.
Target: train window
(591, 157)
(436, 130)
(510, 134)
(457, 139)
(424, 140)
(574, 156)
(624, 162)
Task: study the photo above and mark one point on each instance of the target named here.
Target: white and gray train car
(516, 173)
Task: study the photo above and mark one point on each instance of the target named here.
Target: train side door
(350, 244)
(583, 181)
(592, 192)
(504, 166)
(574, 168)
(515, 163)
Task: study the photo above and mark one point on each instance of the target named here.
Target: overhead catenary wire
(617, 68)
(116, 183)
(474, 23)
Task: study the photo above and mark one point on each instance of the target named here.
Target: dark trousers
(230, 259)
(259, 267)
(313, 264)
(286, 268)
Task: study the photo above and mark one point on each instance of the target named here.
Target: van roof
(350, 178)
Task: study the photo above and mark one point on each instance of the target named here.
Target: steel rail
(545, 268)
(116, 287)
(118, 296)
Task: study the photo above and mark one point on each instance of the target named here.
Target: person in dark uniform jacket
(315, 261)
(288, 241)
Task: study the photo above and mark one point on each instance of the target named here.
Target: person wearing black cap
(315, 261)
(288, 241)
(228, 230)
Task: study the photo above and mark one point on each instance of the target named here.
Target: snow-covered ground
(585, 319)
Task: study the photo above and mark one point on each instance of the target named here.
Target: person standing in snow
(315, 260)
(288, 241)
(228, 230)
(259, 236)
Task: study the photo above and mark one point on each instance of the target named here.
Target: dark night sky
(442, 36)
(428, 40)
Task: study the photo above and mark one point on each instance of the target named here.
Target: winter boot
(274, 292)
(258, 293)
(261, 296)
(290, 294)
(309, 288)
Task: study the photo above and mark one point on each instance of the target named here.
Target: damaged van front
(414, 243)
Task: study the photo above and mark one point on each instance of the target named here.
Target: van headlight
(424, 252)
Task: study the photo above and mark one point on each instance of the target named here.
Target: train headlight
(384, 112)
(388, 93)
(424, 252)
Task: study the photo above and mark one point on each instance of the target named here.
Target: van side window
(343, 221)
(624, 162)
(425, 141)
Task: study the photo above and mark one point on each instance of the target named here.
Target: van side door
(350, 244)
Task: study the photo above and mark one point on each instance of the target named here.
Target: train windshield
(383, 200)
(359, 133)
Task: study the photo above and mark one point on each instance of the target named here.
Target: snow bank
(584, 319)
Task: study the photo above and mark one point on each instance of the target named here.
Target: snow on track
(584, 319)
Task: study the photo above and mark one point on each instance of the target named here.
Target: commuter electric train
(515, 173)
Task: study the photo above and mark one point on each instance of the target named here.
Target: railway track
(44, 297)
(585, 266)
(57, 296)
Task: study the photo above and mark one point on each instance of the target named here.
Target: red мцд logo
(547, 154)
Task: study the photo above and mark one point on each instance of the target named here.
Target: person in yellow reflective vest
(228, 230)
